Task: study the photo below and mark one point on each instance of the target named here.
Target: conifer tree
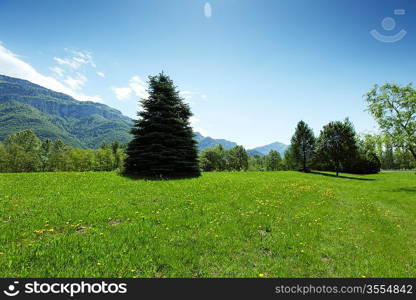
(163, 145)
(303, 144)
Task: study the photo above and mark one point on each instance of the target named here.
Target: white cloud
(189, 95)
(101, 74)
(76, 83)
(78, 59)
(57, 70)
(122, 93)
(136, 85)
(12, 65)
(67, 62)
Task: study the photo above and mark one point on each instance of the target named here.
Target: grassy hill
(24, 105)
(268, 224)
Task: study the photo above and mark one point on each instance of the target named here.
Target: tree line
(338, 148)
(237, 159)
(25, 152)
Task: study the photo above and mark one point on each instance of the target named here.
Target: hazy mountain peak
(277, 146)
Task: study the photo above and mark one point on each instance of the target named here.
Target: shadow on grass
(406, 189)
(154, 178)
(341, 176)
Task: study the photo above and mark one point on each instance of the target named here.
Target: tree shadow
(156, 178)
(405, 189)
(341, 176)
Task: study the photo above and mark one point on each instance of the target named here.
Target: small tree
(59, 159)
(366, 160)
(394, 108)
(115, 148)
(337, 144)
(289, 162)
(256, 163)
(45, 151)
(237, 159)
(23, 151)
(213, 159)
(25, 139)
(273, 161)
(303, 145)
(163, 145)
(104, 159)
(388, 157)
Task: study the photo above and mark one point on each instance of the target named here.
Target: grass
(271, 224)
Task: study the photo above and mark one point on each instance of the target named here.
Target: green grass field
(271, 224)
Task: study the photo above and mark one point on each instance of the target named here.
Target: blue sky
(250, 69)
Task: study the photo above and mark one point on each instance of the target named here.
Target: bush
(367, 163)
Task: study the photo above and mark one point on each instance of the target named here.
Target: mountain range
(208, 142)
(84, 124)
(54, 115)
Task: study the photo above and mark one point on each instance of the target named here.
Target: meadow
(251, 224)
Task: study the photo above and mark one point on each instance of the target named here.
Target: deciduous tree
(394, 108)
(337, 144)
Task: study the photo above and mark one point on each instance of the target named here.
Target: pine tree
(303, 144)
(163, 145)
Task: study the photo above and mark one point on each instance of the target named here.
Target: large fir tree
(163, 145)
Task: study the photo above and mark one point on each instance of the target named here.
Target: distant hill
(277, 146)
(208, 142)
(24, 105)
(254, 153)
